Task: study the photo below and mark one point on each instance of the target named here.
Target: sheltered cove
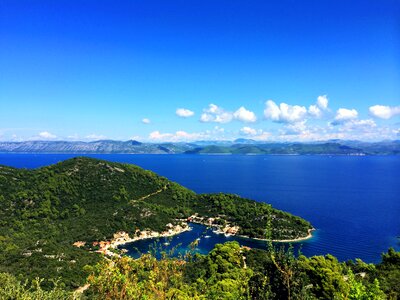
(122, 237)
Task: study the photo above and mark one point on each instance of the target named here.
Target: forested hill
(44, 211)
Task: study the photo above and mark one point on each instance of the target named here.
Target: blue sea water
(353, 202)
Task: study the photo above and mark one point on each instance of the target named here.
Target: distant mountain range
(239, 146)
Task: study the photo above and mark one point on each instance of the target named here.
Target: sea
(352, 201)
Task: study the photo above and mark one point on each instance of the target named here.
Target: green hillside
(44, 211)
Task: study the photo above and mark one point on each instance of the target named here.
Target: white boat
(207, 236)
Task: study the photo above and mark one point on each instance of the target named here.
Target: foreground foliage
(228, 272)
(11, 289)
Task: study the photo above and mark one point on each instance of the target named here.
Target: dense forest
(44, 211)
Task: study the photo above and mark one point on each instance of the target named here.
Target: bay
(353, 202)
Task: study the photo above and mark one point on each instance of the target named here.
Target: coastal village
(119, 238)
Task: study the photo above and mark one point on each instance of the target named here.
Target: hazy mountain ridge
(239, 146)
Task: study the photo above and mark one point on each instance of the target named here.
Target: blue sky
(267, 70)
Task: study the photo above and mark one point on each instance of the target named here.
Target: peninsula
(85, 201)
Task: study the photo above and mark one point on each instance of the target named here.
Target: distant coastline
(242, 146)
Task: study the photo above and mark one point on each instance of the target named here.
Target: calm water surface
(354, 202)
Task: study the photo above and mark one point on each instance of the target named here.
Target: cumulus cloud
(316, 110)
(284, 113)
(157, 135)
(298, 128)
(248, 131)
(47, 135)
(184, 113)
(384, 112)
(213, 109)
(146, 121)
(322, 102)
(358, 125)
(344, 115)
(255, 134)
(215, 114)
(244, 115)
(262, 136)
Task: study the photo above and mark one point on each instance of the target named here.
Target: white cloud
(146, 121)
(262, 136)
(244, 115)
(47, 135)
(295, 129)
(178, 136)
(205, 118)
(183, 135)
(322, 102)
(95, 137)
(384, 112)
(157, 135)
(255, 134)
(218, 129)
(224, 117)
(212, 108)
(217, 133)
(284, 113)
(358, 125)
(314, 111)
(184, 113)
(248, 131)
(396, 132)
(73, 137)
(364, 123)
(343, 115)
(215, 114)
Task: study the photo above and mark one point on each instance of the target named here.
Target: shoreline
(232, 230)
(154, 235)
(122, 238)
(115, 244)
(309, 236)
